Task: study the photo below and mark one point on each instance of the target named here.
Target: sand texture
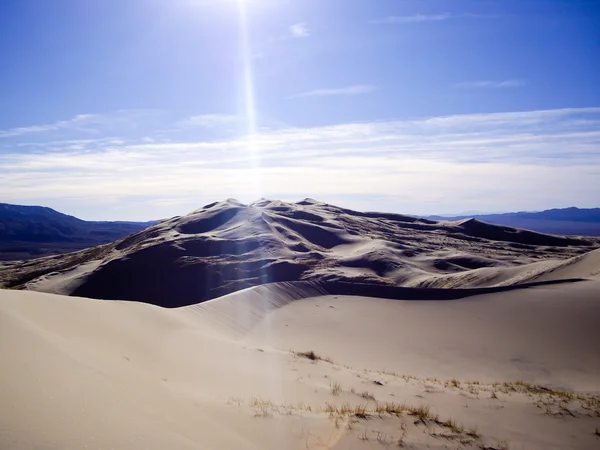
(304, 326)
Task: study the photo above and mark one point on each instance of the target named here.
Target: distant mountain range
(567, 221)
(34, 231)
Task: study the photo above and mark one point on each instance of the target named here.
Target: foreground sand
(80, 373)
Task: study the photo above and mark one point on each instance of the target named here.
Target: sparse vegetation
(367, 395)
(423, 413)
(502, 445)
(358, 411)
(452, 425)
(313, 356)
(335, 388)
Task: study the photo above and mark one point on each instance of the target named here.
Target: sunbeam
(249, 106)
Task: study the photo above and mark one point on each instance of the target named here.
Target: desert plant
(453, 425)
(335, 388)
(313, 356)
(367, 395)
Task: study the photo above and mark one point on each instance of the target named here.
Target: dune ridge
(507, 369)
(227, 246)
(304, 326)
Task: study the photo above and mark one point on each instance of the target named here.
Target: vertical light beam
(249, 108)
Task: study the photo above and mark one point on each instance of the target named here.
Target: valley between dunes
(390, 341)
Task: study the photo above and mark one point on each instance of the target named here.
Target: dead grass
(347, 410)
(453, 425)
(313, 356)
(367, 396)
(335, 388)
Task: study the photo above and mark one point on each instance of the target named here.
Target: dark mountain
(566, 221)
(33, 231)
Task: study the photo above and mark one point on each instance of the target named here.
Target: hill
(567, 221)
(228, 246)
(33, 231)
(304, 326)
(493, 371)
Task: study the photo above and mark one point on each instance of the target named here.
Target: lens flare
(249, 107)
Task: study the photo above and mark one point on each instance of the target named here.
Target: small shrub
(367, 395)
(451, 423)
(313, 356)
(335, 388)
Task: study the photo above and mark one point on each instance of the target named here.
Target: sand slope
(81, 373)
(228, 246)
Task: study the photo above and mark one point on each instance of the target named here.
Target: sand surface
(304, 326)
(227, 246)
(81, 373)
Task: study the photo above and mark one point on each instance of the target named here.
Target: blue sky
(140, 109)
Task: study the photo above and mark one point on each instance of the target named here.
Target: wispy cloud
(349, 90)
(514, 160)
(421, 18)
(61, 124)
(415, 18)
(491, 84)
(300, 30)
(87, 124)
(210, 121)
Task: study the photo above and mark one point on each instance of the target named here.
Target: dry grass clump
(452, 425)
(367, 395)
(335, 388)
(422, 412)
(262, 408)
(313, 356)
(391, 408)
(347, 410)
(552, 396)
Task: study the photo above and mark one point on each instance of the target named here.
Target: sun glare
(248, 100)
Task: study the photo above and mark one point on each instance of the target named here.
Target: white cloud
(210, 121)
(300, 30)
(415, 18)
(512, 160)
(491, 84)
(420, 18)
(349, 90)
(84, 124)
(61, 124)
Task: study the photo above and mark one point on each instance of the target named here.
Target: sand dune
(304, 326)
(228, 246)
(82, 373)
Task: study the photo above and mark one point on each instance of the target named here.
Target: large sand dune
(228, 246)
(304, 326)
(82, 373)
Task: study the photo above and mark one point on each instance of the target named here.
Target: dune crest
(227, 246)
